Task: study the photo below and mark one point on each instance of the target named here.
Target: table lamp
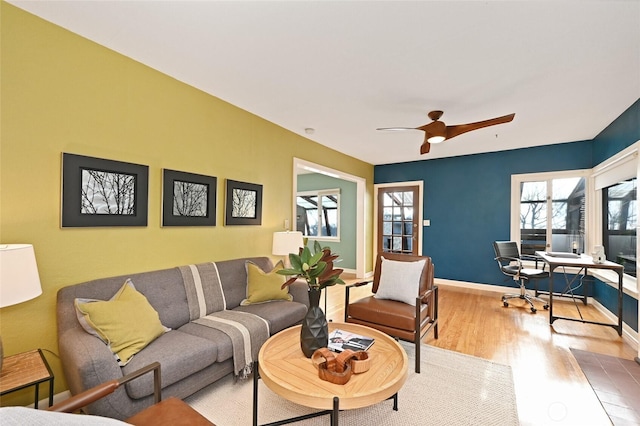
(19, 279)
(286, 242)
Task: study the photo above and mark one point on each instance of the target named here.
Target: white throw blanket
(247, 332)
(207, 307)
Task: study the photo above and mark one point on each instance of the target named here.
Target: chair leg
(435, 312)
(417, 333)
(524, 296)
(346, 302)
(434, 325)
(418, 344)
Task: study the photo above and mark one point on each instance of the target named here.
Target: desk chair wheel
(524, 297)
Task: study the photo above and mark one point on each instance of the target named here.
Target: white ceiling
(566, 68)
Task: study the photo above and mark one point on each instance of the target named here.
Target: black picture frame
(188, 199)
(88, 187)
(243, 203)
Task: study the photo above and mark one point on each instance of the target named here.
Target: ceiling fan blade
(396, 129)
(453, 131)
(425, 147)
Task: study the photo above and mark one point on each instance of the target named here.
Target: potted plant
(316, 268)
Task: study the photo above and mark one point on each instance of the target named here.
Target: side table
(26, 369)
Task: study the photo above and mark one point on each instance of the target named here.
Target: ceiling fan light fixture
(435, 139)
(437, 131)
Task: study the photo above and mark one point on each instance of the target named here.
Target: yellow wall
(63, 93)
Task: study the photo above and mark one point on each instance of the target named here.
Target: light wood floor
(550, 386)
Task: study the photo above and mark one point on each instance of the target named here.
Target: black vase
(315, 331)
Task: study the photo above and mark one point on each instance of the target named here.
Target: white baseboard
(629, 335)
(474, 286)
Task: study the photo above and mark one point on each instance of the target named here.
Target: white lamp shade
(19, 279)
(286, 242)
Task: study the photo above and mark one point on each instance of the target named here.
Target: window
(318, 213)
(552, 210)
(620, 218)
(616, 211)
(588, 208)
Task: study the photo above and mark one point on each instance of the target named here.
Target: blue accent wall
(623, 132)
(468, 201)
(608, 297)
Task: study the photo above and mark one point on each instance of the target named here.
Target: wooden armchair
(400, 319)
(171, 411)
(85, 398)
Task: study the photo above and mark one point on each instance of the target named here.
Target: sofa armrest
(86, 361)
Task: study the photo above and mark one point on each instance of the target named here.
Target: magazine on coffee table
(339, 340)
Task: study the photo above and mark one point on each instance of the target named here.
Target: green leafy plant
(315, 267)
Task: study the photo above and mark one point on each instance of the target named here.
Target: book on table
(339, 340)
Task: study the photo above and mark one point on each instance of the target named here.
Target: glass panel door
(398, 215)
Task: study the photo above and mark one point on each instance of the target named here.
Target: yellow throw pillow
(127, 322)
(265, 286)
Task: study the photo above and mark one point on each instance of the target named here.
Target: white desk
(583, 263)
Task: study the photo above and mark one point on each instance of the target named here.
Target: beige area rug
(452, 389)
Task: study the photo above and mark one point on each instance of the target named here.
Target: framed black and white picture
(188, 199)
(99, 192)
(243, 203)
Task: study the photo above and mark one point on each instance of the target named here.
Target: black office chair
(510, 263)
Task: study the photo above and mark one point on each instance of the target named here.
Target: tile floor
(616, 382)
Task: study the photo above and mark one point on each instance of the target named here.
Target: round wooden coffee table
(287, 372)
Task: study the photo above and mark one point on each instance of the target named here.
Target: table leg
(395, 401)
(551, 318)
(35, 404)
(620, 298)
(336, 411)
(50, 392)
(584, 272)
(255, 393)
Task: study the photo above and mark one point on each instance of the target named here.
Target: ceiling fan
(437, 131)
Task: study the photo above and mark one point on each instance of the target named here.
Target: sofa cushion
(222, 341)
(233, 277)
(278, 313)
(127, 323)
(179, 354)
(265, 286)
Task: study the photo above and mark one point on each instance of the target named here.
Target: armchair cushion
(400, 280)
(390, 313)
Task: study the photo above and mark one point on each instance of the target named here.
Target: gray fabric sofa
(191, 356)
